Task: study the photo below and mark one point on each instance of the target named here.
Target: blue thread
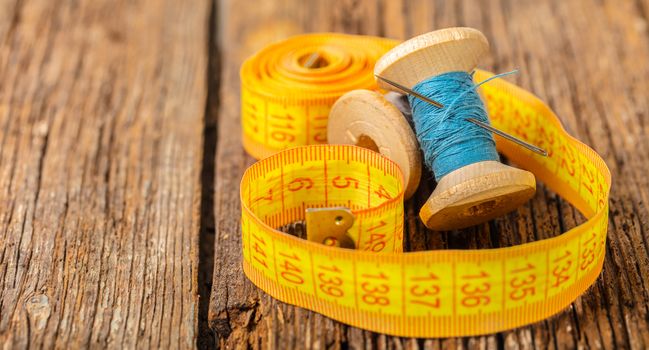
(447, 139)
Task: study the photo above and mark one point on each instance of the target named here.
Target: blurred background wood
(120, 161)
(101, 122)
(587, 59)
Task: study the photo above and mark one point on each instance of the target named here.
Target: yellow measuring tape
(422, 294)
(285, 104)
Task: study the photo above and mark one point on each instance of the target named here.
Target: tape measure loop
(431, 293)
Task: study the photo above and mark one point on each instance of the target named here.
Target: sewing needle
(483, 125)
(409, 91)
(509, 137)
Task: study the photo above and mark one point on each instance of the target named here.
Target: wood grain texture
(587, 59)
(101, 124)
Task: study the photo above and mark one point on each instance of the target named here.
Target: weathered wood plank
(101, 122)
(582, 57)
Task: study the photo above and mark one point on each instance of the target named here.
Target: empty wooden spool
(365, 118)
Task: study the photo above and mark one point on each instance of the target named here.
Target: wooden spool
(477, 192)
(365, 118)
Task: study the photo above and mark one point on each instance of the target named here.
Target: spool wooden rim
(365, 118)
(477, 192)
(431, 54)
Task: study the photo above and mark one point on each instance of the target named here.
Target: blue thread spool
(449, 141)
(472, 185)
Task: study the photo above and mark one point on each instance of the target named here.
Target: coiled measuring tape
(285, 104)
(439, 293)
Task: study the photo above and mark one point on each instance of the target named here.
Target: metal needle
(509, 137)
(409, 91)
(483, 125)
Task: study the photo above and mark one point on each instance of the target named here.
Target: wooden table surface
(120, 161)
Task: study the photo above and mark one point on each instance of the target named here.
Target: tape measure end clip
(329, 226)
